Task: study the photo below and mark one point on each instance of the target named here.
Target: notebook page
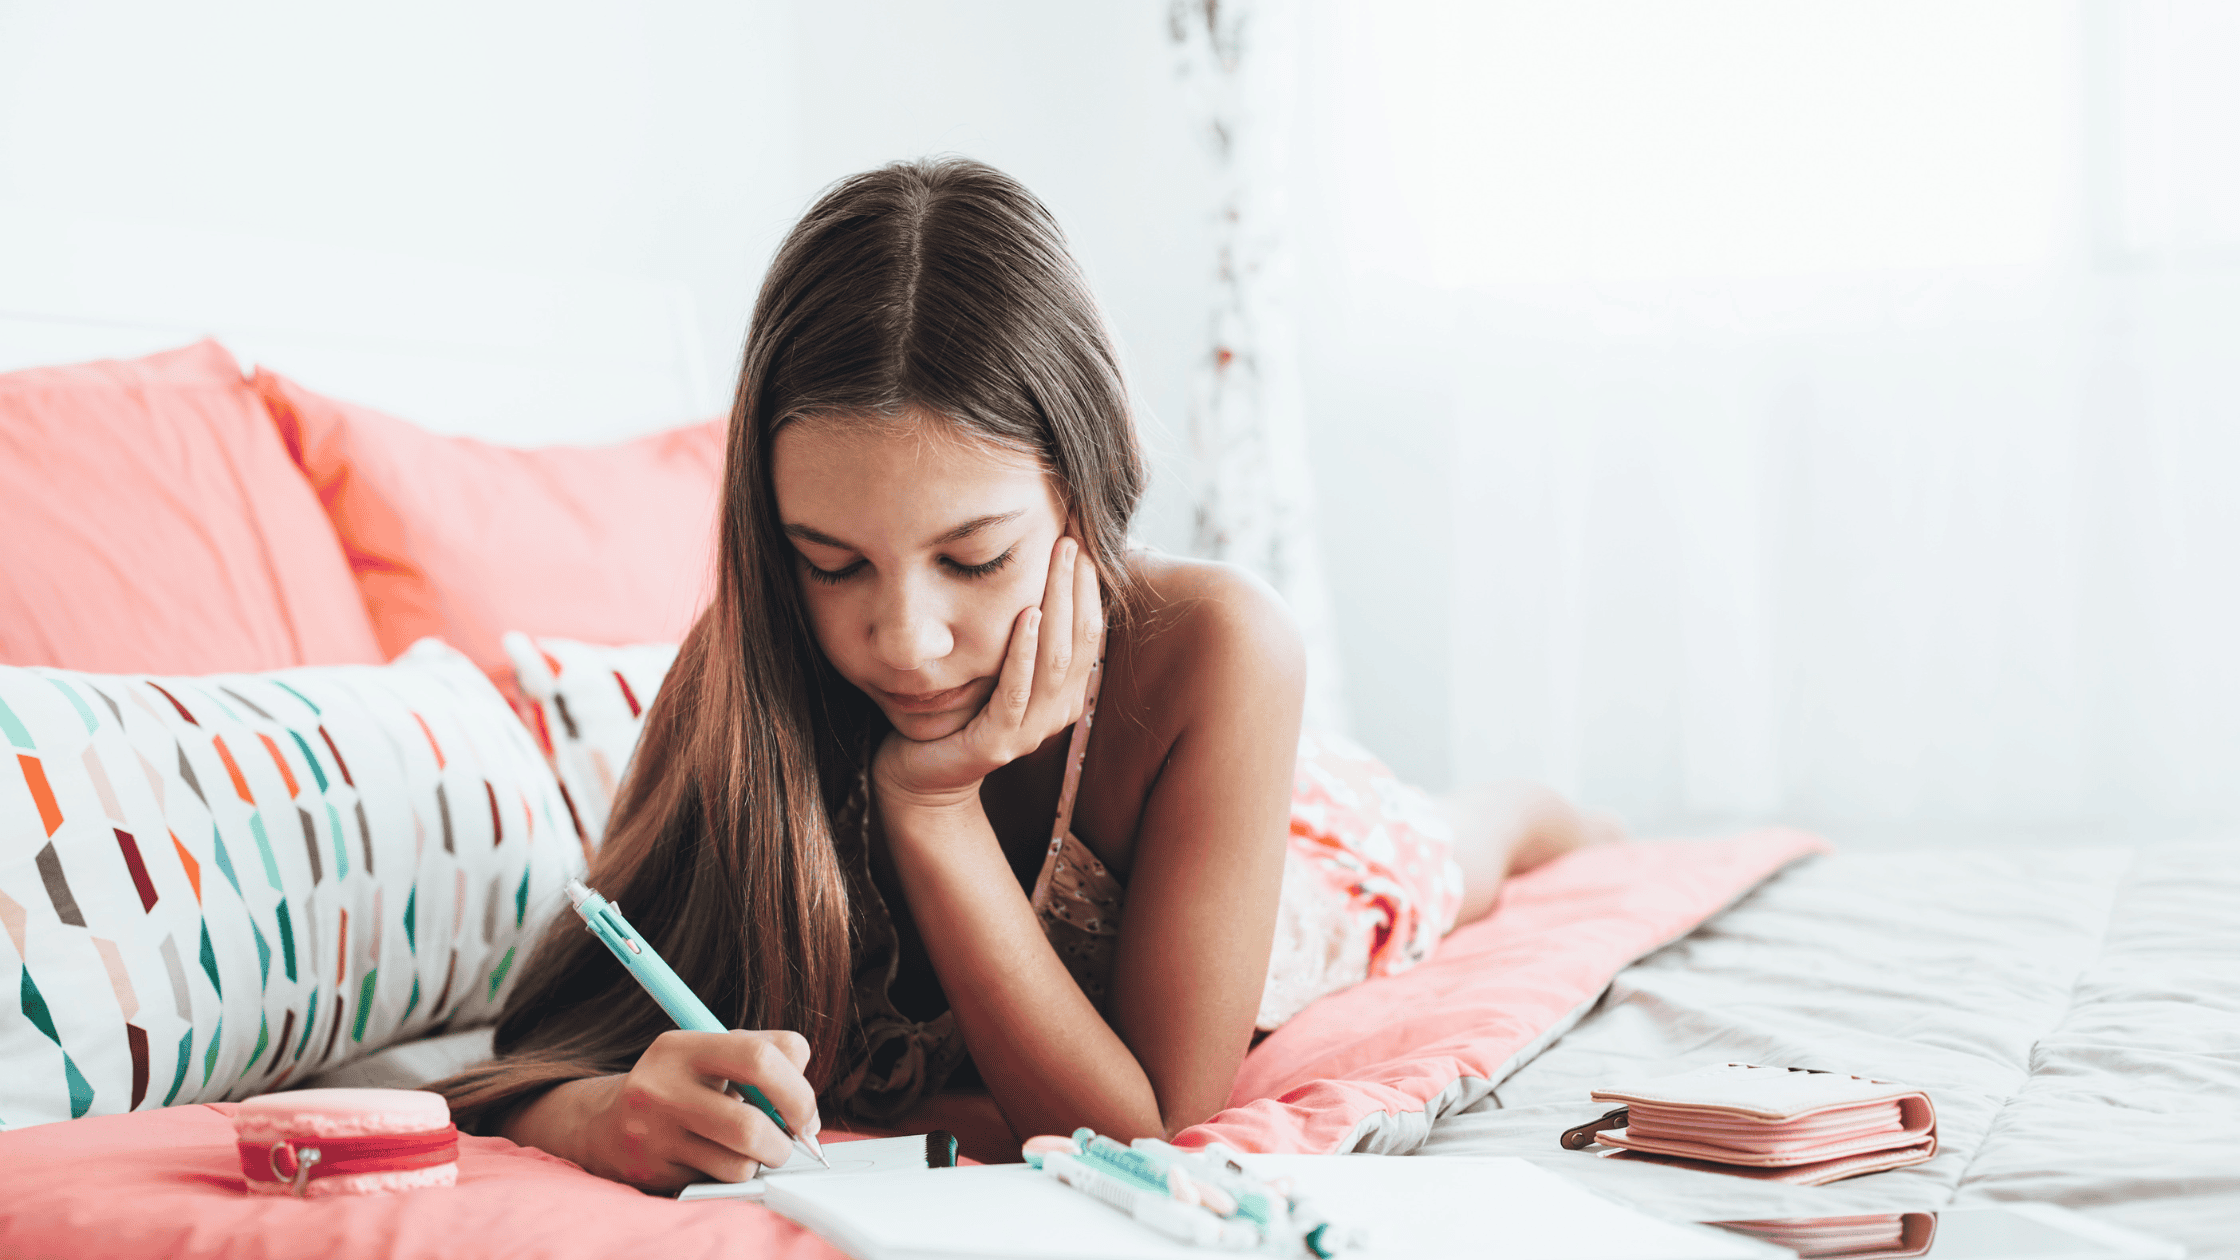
(1488, 1206)
(1001, 1212)
(867, 1155)
(1408, 1207)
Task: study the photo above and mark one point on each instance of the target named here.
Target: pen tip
(809, 1144)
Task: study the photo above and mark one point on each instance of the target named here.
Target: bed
(2075, 1013)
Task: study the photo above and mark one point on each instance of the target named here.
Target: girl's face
(917, 551)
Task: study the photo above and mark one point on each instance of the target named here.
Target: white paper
(871, 1155)
(1406, 1206)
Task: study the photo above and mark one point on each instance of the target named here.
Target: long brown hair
(935, 291)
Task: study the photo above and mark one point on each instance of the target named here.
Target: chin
(924, 727)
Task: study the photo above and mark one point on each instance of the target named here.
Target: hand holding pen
(666, 1112)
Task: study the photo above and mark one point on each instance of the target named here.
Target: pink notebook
(1780, 1124)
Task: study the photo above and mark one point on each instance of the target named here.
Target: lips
(925, 701)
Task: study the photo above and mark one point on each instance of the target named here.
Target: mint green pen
(636, 955)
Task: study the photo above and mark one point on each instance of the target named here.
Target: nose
(909, 627)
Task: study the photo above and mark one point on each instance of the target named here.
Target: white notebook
(868, 1155)
(1407, 1206)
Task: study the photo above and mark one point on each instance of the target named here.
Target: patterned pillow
(588, 703)
(216, 884)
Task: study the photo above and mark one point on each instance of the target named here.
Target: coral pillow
(154, 522)
(216, 885)
(465, 540)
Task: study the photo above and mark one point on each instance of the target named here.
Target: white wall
(440, 209)
(455, 210)
(1079, 102)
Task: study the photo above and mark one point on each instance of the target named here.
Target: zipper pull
(1582, 1137)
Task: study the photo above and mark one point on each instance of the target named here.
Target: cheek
(981, 627)
(981, 616)
(828, 614)
(998, 607)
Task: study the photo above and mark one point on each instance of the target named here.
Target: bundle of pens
(1204, 1197)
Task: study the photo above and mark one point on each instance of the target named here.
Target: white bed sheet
(2073, 1013)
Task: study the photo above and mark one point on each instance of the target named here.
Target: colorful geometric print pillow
(216, 885)
(589, 703)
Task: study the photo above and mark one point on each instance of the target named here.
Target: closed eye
(979, 570)
(832, 577)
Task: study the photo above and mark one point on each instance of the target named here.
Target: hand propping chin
(1041, 690)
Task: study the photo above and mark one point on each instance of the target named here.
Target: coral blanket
(1368, 1069)
(168, 1183)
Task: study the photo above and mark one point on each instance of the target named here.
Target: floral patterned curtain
(1252, 493)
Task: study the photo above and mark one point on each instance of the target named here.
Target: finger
(1088, 611)
(1057, 649)
(734, 1124)
(794, 1045)
(700, 1158)
(796, 1049)
(760, 1060)
(1007, 708)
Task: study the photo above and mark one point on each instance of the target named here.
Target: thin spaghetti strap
(1076, 753)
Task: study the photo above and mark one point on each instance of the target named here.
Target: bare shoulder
(1208, 632)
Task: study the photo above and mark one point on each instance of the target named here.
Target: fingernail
(1034, 620)
(1072, 549)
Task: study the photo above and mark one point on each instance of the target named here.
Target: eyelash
(831, 577)
(834, 577)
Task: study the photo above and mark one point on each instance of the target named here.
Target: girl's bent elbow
(1172, 1123)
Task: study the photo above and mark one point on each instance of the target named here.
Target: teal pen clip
(636, 955)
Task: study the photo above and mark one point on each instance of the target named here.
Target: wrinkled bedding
(1371, 1070)
(2075, 1014)
(1372, 1067)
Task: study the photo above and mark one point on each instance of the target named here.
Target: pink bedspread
(168, 1184)
(1369, 1069)
(1366, 1069)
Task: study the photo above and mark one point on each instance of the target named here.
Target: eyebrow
(810, 533)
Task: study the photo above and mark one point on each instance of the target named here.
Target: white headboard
(526, 360)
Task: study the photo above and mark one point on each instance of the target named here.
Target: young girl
(970, 814)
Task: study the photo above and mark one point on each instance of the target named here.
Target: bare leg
(1505, 829)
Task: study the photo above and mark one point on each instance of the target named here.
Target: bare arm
(1050, 1061)
(1201, 903)
(1208, 871)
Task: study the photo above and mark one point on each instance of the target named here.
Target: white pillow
(590, 703)
(217, 885)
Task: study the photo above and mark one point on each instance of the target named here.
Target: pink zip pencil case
(312, 1143)
(1781, 1124)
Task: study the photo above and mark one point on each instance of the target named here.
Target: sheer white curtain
(1252, 493)
(1839, 404)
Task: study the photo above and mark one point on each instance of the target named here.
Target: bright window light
(1621, 140)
